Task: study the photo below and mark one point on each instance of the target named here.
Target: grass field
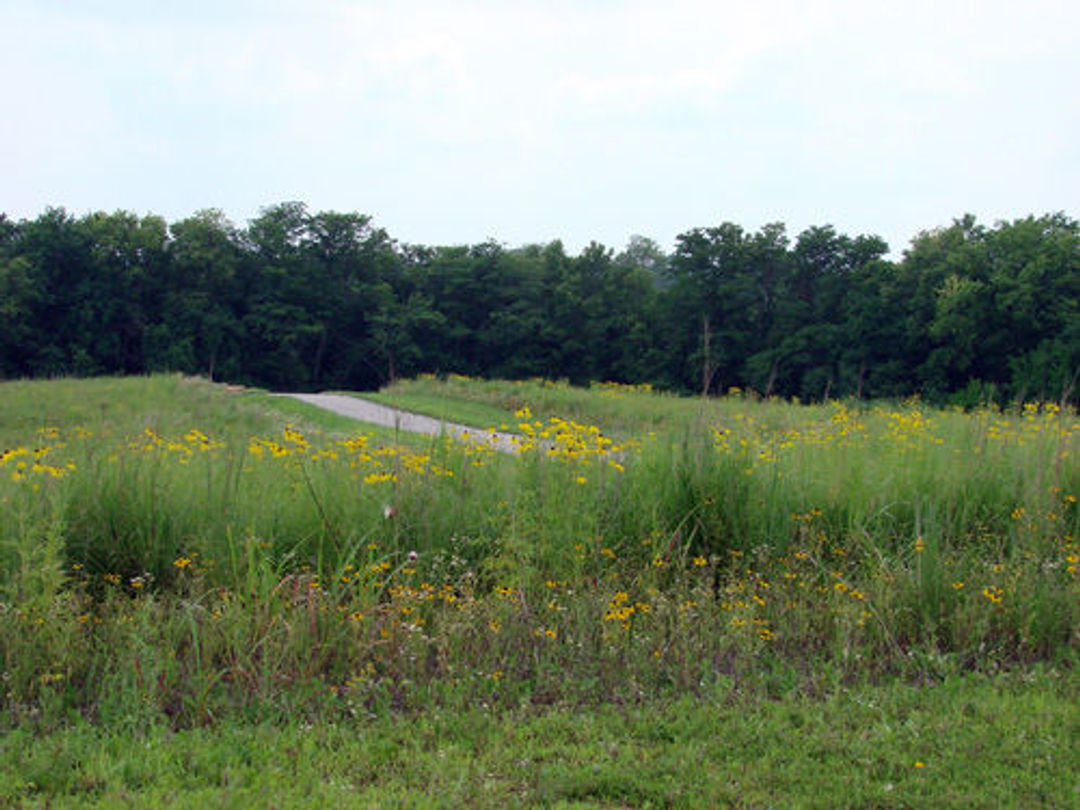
(660, 602)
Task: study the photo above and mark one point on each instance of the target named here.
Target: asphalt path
(375, 414)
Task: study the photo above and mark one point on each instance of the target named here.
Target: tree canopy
(304, 300)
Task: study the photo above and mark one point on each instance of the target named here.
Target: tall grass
(175, 549)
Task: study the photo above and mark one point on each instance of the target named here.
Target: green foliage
(300, 300)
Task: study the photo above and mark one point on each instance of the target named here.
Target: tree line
(301, 300)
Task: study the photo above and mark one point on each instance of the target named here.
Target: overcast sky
(454, 122)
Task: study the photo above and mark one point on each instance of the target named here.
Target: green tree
(200, 299)
(722, 302)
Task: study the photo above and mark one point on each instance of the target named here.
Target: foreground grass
(972, 742)
(806, 602)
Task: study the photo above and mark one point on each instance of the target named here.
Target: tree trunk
(707, 368)
(320, 350)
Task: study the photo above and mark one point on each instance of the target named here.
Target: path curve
(373, 413)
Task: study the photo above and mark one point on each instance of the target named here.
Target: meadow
(657, 601)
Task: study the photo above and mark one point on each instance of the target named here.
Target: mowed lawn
(965, 743)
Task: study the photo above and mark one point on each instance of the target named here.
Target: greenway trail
(375, 414)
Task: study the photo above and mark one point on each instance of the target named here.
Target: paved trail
(375, 414)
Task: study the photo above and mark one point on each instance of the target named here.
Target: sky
(527, 121)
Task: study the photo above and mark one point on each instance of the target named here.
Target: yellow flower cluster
(183, 448)
(617, 390)
(566, 440)
(42, 462)
(620, 609)
(373, 464)
(903, 429)
(1037, 420)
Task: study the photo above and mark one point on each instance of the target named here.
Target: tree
(727, 281)
(200, 299)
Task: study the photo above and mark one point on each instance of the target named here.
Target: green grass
(967, 743)
(620, 410)
(805, 599)
(168, 403)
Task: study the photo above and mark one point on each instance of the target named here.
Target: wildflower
(621, 614)
(700, 562)
(182, 562)
(413, 556)
(957, 585)
(381, 478)
(920, 545)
